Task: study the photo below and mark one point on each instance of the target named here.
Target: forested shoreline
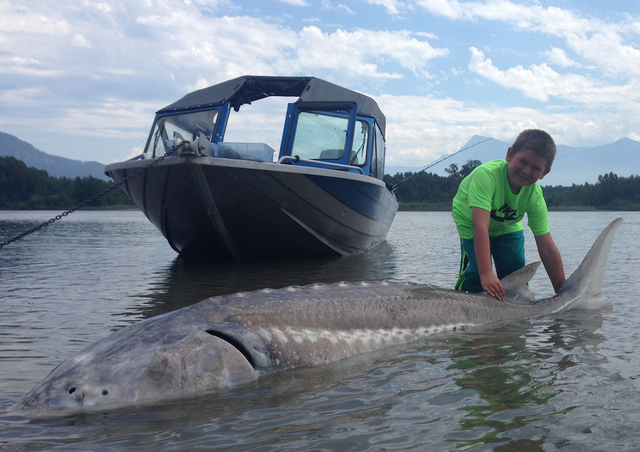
(428, 191)
(25, 188)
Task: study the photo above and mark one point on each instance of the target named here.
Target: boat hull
(239, 210)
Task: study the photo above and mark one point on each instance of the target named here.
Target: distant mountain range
(52, 164)
(572, 165)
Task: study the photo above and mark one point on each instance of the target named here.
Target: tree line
(25, 188)
(427, 191)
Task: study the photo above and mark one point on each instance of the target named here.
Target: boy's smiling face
(525, 168)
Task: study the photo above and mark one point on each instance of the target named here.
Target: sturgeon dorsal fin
(515, 284)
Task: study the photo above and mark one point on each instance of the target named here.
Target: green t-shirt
(487, 187)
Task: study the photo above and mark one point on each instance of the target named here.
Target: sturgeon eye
(72, 390)
(105, 392)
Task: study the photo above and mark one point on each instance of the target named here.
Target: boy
(488, 210)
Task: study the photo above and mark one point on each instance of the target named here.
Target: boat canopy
(249, 88)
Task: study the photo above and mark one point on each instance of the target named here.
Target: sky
(82, 79)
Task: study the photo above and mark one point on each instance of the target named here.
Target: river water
(569, 382)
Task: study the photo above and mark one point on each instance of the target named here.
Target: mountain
(572, 165)
(55, 166)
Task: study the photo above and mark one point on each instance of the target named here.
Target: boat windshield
(324, 137)
(187, 126)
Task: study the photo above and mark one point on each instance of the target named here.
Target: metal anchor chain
(84, 203)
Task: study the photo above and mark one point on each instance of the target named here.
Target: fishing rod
(393, 187)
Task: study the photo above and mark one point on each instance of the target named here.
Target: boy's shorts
(508, 256)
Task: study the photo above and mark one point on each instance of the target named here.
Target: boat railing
(319, 163)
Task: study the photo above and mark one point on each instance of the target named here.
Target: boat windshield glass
(320, 136)
(377, 164)
(323, 137)
(358, 154)
(187, 126)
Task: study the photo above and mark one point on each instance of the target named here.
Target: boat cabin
(326, 127)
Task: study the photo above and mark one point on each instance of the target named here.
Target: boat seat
(331, 154)
(228, 152)
(335, 154)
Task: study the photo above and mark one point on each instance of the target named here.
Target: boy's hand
(492, 286)
(481, 244)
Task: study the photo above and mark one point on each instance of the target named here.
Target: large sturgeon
(230, 340)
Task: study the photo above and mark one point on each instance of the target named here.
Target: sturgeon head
(165, 357)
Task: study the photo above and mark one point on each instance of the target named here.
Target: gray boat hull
(238, 210)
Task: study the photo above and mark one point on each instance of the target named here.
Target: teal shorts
(507, 252)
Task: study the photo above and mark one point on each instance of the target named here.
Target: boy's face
(525, 168)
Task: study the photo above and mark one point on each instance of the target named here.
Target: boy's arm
(551, 259)
(490, 282)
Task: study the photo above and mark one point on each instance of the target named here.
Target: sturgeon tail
(584, 286)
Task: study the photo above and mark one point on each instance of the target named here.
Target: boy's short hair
(538, 141)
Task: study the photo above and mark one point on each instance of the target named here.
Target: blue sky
(83, 78)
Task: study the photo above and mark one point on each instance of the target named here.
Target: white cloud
(25, 97)
(116, 118)
(391, 6)
(135, 152)
(329, 5)
(231, 46)
(24, 66)
(598, 42)
(295, 2)
(103, 7)
(80, 41)
(559, 57)
(205, 5)
(536, 82)
(448, 8)
(15, 19)
(361, 51)
(540, 82)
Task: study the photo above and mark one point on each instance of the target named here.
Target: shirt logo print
(505, 214)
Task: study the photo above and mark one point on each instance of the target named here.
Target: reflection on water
(186, 282)
(516, 382)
